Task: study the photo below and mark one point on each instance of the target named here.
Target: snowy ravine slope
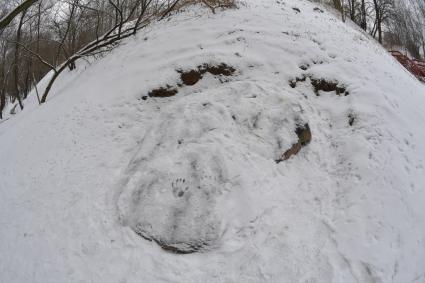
(82, 174)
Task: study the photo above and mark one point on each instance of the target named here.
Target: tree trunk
(352, 10)
(2, 103)
(3, 80)
(17, 61)
(378, 20)
(65, 65)
(29, 69)
(38, 71)
(363, 23)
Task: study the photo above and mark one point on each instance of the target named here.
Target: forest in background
(41, 36)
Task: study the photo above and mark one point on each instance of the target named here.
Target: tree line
(392, 22)
(42, 36)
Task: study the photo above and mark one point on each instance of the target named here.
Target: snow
(80, 175)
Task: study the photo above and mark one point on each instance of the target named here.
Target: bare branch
(22, 7)
(36, 55)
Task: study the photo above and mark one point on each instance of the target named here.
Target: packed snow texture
(100, 185)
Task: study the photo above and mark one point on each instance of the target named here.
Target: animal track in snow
(179, 187)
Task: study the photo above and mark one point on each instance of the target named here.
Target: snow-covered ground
(84, 176)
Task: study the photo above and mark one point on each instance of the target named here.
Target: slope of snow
(82, 173)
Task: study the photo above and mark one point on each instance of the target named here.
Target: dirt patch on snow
(191, 77)
(328, 86)
(222, 69)
(304, 138)
(163, 92)
(321, 85)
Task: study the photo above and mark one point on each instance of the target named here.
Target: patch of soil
(190, 77)
(304, 134)
(321, 85)
(304, 138)
(222, 69)
(163, 92)
(327, 86)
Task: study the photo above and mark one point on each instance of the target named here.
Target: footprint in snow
(179, 187)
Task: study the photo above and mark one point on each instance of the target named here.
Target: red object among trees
(415, 66)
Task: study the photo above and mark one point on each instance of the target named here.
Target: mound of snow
(108, 182)
(196, 152)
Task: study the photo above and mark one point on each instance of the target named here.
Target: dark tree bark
(378, 20)
(38, 37)
(363, 20)
(352, 5)
(3, 81)
(17, 61)
(68, 63)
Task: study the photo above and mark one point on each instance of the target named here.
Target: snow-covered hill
(108, 183)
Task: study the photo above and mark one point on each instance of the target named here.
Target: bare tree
(126, 24)
(383, 10)
(17, 61)
(4, 70)
(363, 15)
